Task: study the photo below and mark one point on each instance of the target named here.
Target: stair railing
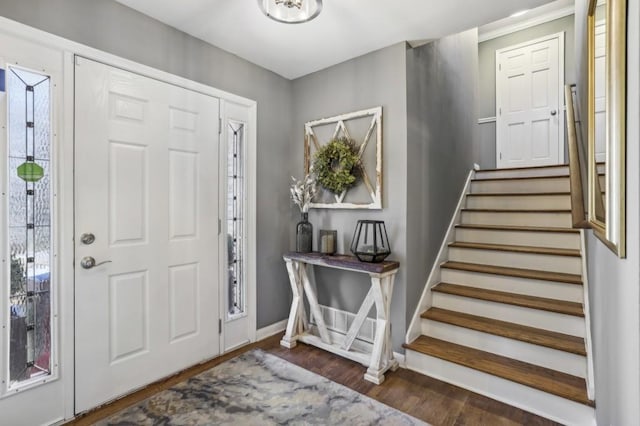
(576, 162)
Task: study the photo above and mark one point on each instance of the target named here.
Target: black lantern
(370, 242)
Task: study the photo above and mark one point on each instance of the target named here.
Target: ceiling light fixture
(291, 11)
(518, 13)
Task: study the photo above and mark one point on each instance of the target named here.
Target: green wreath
(337, 165)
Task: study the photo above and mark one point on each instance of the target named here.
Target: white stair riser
(515, 202)
(560, 184)
(529, 287)
(522, 238)
(558, 220)
(603, 182)
(552, 321)
(520, 173)
(543, 356)
(544, 404)
(539, 262)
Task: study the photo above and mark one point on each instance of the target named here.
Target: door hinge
(219, 125)
(499, 67)
(219, 226)
(501, 156)
(219, 325)
(499, 111)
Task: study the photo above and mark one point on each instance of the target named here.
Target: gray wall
(111, 27)
(614, 284)
(375, 79)
(442, 99)
(487, 62)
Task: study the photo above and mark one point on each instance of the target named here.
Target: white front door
(146, 176)
(529, 80)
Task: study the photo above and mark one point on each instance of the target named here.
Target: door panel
(528, 115)
(147, 188)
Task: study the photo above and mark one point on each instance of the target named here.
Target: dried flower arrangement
(303, 191)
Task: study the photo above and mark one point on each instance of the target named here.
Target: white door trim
(561, 117)
(249, 117)
(65, 189)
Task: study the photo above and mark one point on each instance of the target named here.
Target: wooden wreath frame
(310, 139)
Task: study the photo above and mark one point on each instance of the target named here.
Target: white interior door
(529, 80)
(146, 168)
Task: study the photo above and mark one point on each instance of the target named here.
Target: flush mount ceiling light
(291, 11)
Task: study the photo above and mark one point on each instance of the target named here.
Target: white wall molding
(522, 25)
(270, 330)
(486, 120)
(588, 340)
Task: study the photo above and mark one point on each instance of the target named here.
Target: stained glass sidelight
(29, 232)
(235, 220)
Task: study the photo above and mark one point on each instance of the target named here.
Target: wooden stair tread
(518, 228)
(521, 178)
(518, 194)
(550, 381)
(517, 210)
(506, 169)
(518, 249)
(533, 302)
(514, 272)
(536, 336)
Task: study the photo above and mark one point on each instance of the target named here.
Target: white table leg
(381, 354)
(388, 293)
(315, 308)
(289, 340)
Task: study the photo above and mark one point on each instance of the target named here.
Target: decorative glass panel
(235, 220)
(29, 198)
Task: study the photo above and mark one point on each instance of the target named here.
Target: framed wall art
(345, 153)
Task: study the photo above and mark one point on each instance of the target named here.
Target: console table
(382, 275)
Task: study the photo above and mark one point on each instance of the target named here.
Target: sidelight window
(29, 202)
(236, 286)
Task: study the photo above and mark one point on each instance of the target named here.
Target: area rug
(257, 388)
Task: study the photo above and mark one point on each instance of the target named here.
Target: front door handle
(89, 262)
(554, 112)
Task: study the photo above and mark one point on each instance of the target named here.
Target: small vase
(304, 235)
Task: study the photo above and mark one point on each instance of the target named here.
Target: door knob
(87, 238)
(89, 262)
(554, 112)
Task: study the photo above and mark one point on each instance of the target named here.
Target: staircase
(503, 312)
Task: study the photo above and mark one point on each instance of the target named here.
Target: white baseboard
(270, 330)
(402, 363)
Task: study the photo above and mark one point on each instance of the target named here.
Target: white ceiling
(345, 28)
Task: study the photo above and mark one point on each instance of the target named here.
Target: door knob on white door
(554, 112)
(89, 262)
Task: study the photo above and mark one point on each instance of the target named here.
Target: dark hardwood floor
(430, 400)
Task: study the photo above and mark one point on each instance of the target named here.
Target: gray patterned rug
(257, 388)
